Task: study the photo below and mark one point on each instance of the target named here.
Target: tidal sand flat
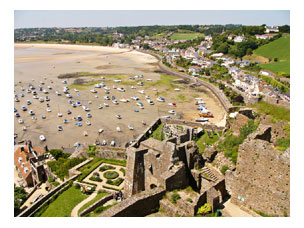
(43, 63)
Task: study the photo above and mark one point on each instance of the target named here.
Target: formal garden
(107, 176)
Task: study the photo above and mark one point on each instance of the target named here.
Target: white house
(261, 37)
(239, 39)
(216, 55)
(234, 71)
(209, 38)
(265, 73)
(271, 29)
(194, 69)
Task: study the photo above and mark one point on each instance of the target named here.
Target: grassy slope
(280, 49)
(277, 112)
(98, 197)
(204, 140)
(64, 204)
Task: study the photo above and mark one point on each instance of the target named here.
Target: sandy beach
(36, 63)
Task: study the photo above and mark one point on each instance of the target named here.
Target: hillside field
(280, 49)
(185, 36)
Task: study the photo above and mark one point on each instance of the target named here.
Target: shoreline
(76, 47)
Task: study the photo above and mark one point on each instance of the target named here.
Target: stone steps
(206, 171)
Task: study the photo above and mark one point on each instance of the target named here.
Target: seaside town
(190, 120)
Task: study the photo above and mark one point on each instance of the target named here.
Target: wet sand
(39, 61)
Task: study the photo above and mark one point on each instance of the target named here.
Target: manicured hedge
(106, 187)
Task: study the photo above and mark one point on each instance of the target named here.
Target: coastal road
(216, 91)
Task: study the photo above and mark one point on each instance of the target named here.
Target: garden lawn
(64, 204)
(100, 195)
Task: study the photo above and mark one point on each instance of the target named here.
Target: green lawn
(280, 49)
(185, 36)
(157, 133)
(100, 195)
(64, 204)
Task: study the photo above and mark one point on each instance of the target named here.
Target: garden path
(75, 210)
(233, 210)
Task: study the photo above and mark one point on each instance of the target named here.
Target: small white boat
(118, 129)
(130, 127)
(201, 119)
(42, 138)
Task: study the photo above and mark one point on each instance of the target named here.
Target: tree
(249, 51)
(284, 29)
(224, 47)
(145, 46)
(57, 153)
(19, 198)
(221, 86)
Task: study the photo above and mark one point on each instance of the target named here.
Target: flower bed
(95, 178)
(110, 175)
(106, 167)
(116, 182)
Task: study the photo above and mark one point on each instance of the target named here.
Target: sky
(114, 18)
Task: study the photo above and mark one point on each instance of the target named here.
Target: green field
(277, 67)
(64, 204)
(280, 49)
(185, 36)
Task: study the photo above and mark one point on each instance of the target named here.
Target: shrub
(224, 169)
(116, 182)
(174, 197)
(92, 151)
(189, 200)
(205, 209)
(95, 178)
(110, 174)
(123, 171)
(77, 186)
(106, 167)
(248, 129)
